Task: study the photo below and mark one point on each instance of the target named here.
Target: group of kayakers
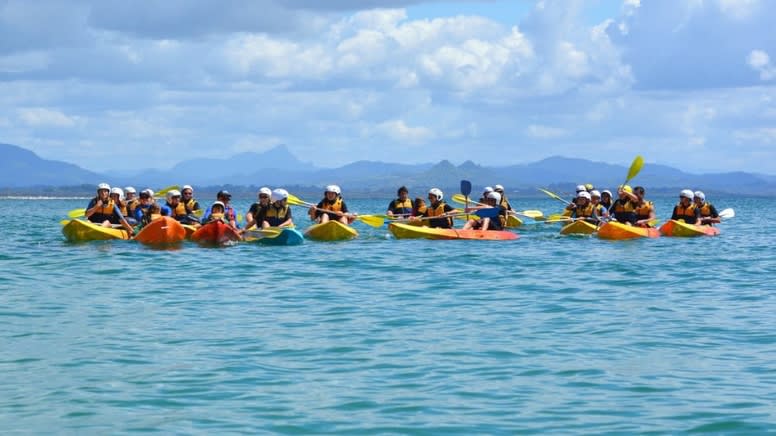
(631, 207)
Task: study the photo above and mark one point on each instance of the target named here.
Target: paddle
(556, 197)
(635, 168)
(466, 189)
(488, 212)
(533, 214)
(370, 220)
(727, 214)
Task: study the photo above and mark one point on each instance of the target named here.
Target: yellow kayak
(513, 221)
(682, 229)
(330, 231)
(82, 230)
(578, 227)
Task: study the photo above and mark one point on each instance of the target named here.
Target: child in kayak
(709, 214)
(685, 210)
(438, 207)
(331, 207)
(104, 211)
(278, 213)
(255, 215)
(486, 223)
(402, 205)
(644, 210)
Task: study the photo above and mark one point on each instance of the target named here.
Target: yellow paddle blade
(199, 212)
(635, 168)
(75, 213)
(296, 201)
(555, 217)
(371, 220)
(167, 189)
(553, 195)
(531, 213)
(460, 198)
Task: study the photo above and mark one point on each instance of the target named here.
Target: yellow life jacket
(439, 210)
(332, 207)
(179, 210)
(643, 211)
(189, 205)
(107, 208)
(626, 206)
(276, 216)
(584, 212)
(706, 210)
(686, 213)
(505, 202)
(123, 209)
(401, 207)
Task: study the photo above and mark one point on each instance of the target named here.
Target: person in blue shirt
(146, 199)
(230, 216)
(104, 211)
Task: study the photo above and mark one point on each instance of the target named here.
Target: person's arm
(250, 219)
(674, 216)
(389, 212)
(92, 207)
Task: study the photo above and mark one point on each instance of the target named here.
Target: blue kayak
(275, 236)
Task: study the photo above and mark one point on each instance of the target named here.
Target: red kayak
(216, 233)
(164, 230)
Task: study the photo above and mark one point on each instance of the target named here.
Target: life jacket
(685, 213)
(505, 202)
(122, 208)
(276, 216)
(623, 211)
(643, 211)
(218, 216)
(332, 207)
(106, 212)
(439, 210)
(178, 211)
(190, 205)
(131, 206)
(706, 210)
(583, 212)
(399, 207)
(600, 210)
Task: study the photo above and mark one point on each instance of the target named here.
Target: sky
(117, 85)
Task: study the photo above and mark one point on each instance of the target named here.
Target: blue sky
(114, 85)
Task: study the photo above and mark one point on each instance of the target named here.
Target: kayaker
(486, 223)
(438, 207)
(216, 212)
(117, 195)
(102, 209)
(579, 188)
(402, 205)
(623, 209)
(131, 203)
(188, 200)
(146, 200)
(606, 200)
(278, 213)
(418, 207)
(600, 212)
(644, 210)
(229, 216)
(255, 215)
(153, 212)
(485, 192)
(504, 201)
(582, 208)
(176, 209)
(331, 207)
(685, 209)
(709, 215)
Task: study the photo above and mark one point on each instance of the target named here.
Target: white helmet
(266, 191)
(584, 194)
(498, 188)
(333, 188)
(436, 192)
(173, 193)
(218, 203)
(118, 191)
(130, 190)
(487, 189)
(279, 194)
(595, 193)
(606, 191)
(581, 188)
(700, 195)
(102, 186)
(495, 196)
(148, 191)
(686, 193)
(185, 187)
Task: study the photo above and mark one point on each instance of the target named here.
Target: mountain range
(21, 168)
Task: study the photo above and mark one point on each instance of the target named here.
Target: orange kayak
(682, 229)
(405, 231)
(164, 230)
(216, 233)
(614, 230)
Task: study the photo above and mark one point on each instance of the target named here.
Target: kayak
(190, 229)
(330, 231)
(83, 230)
(406, 231)
(276, 236)
(215, 233)
(614, 230)
(164, 230)
(578, 227)
(682, 229)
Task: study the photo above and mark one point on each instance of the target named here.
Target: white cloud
(399, 131)
(761, 62)
(545, 132)
(43, 117)
(739, 9)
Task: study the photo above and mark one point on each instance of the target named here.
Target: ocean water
(376, 335)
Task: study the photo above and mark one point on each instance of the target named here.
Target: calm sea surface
(376, 335)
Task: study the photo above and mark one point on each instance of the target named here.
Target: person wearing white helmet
(606, 199)
(131, 202)
(103, 210)
(599, 210)
(504, 201)
(401, 206)
(582, 208)
(486, 223)
(709, 214)
(230, 216)
(117, 195)
(685, 210)
(644, 210)
(189, 202)
(216, 212)
(278, 214)
(255, 214)
(175, 208)
(485, 192)
(438, 208)
(144, 203)
(331, 207)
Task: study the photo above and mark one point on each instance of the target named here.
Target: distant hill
(20, 167)
(279, 167)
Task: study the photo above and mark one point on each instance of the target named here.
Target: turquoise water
(545, 333)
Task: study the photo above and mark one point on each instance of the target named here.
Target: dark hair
(639, 189)
(402, 189)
